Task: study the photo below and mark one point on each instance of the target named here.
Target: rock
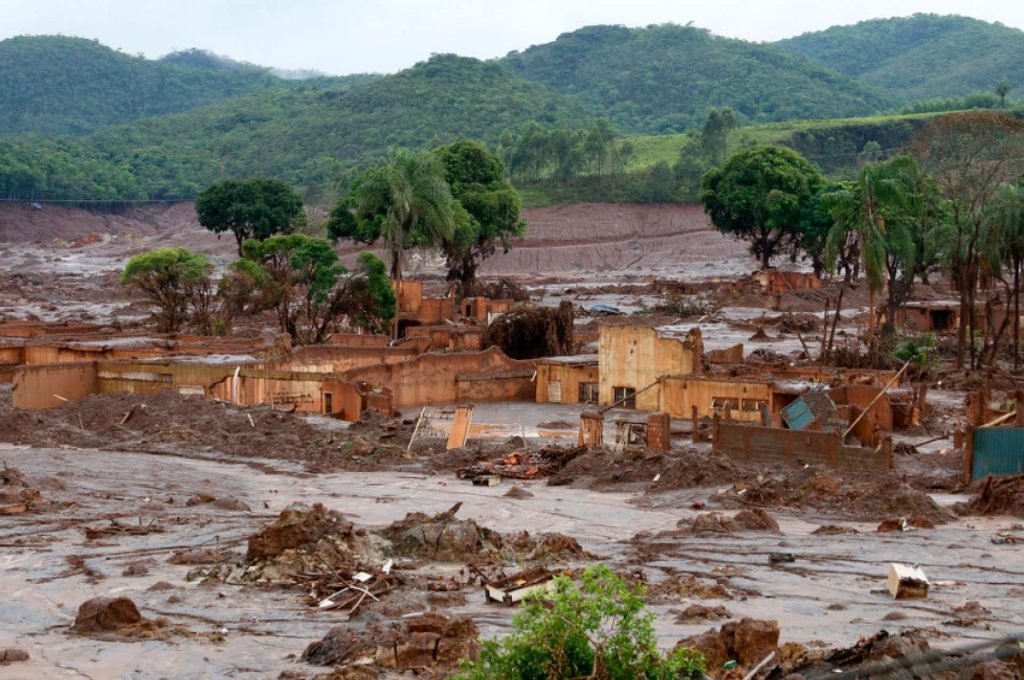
(200, 499)
(755, 520)
(518, 493)
(993, 670)
(11, 655)
(833, 530)
(747, 641)
(711, 645)
(744, 520)
(751, 639)
(711, 523)
(106, 613)
(698, 613)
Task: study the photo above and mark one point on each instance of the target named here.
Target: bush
(596, 629)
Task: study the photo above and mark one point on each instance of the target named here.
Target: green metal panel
(998, 451)
(797, 415)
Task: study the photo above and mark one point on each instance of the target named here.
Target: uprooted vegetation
(999, 496)
(857, 496)
(533, 333)
(16, 496)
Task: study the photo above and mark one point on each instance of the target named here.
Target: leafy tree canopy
(488, 216)
(250, 209)
(168, 277)
(761, 195)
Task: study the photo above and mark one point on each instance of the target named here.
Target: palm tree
(1002, 89)
(416, 199)
(859, 210)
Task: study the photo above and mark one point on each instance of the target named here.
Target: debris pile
(443, 538)
(858, 496)
(120, 617)
(676, 588)
(16, 496)
(712, 523)
(602, 467)
(999, 496)
(747, 642)
(524, 464)
(431, 641)
(170, 422)
(533, 333)
(306, 541)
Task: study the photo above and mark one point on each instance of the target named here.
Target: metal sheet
(998, 451)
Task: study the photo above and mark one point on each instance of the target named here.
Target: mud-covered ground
(169, 527)
(162, 498)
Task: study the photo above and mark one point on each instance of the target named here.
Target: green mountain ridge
(312, 136)
(666, 78)
(79, 120)
(919, 57)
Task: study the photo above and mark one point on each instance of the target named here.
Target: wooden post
(968, 454)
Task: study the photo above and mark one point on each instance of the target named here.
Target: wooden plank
(460, 427)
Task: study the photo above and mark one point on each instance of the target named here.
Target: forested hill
(55, 85)
(666, 78)
(920, 57)
(307, 136)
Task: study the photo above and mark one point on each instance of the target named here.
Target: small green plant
(596, 629)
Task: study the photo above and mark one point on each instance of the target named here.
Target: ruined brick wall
(659, 432)
(37, 387)
(433, 378)
(679, 394)
(568, 378)
(357, 340)
(635, 357)
(771, 446)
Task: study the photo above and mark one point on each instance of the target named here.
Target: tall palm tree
(859, 210)
(417, 201)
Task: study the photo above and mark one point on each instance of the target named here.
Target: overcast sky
(351, 36)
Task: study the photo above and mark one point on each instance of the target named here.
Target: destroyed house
(742, 399)
(633, 360)
(568, 380)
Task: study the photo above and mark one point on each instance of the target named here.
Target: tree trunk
(961, 330)
(1016, 313)
(766, 259)
(835, 320)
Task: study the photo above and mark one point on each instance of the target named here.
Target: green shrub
(598, 628)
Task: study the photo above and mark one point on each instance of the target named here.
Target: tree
(1002, 89)
(970, 155)
(249, 208)
(405, 202)
(169, 277)
(881, 211)
(715, 134)
(306, 286)
(597, 629)
(760, 196)
(1004, 217)
(488, 213)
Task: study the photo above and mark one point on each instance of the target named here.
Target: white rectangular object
(907, 582)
